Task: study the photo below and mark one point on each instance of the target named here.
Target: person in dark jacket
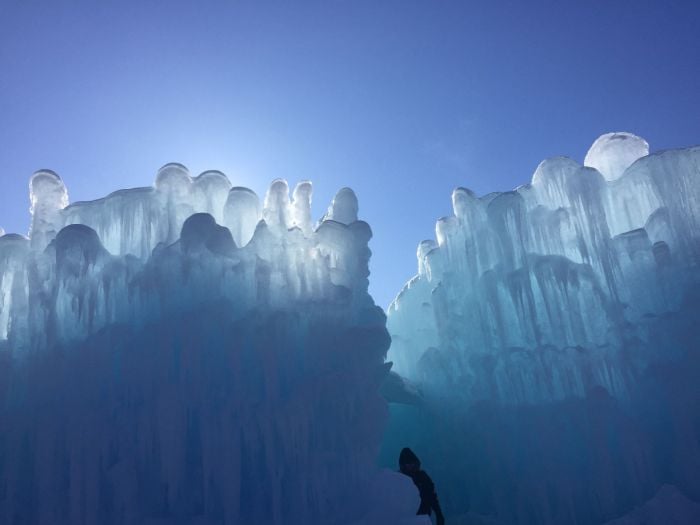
(409, 464)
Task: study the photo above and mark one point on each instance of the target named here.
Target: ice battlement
(580, 257)
(139, 254)
(200, 354)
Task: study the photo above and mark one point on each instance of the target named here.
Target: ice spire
(48, 196)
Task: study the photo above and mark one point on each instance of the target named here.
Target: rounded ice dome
(344, 207)
(301, 206)
(276, 207)
(245, 198)
(243, 192)
(301, 196)
(463, 199)
(611, 154)
(173, 177)
(304, 189)
(277, 194)
(213, 180)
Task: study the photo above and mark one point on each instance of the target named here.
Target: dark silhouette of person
(409, 464)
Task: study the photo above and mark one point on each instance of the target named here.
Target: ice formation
(611, 154)
(182, 353)
(191, 353)
(552, 333)
(520, 282)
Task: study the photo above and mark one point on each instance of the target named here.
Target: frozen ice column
(211, 190)
(343, 239)
(242, 214)
(48, 196)
(174, 186)
(344, 207)
(13, 284)
(301, 207)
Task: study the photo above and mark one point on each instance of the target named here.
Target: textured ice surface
(393, 501)
(551, 282)
(181, 354)
(48, 196)
(552, 331)
(668, 507)
(611, 154)
(190, 353)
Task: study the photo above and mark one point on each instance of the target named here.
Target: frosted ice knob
(174, 178)
(424, 248)
(301, 206)
(47, 192)
(463, 200)
(444, 227)
(48, 196)
(611, 154)
(344, 206)
(213, 181)
(276, 208)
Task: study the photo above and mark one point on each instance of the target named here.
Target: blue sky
(400, 100)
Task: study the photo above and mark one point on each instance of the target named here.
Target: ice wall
(552, 333)
(184, 353)
(536, 294)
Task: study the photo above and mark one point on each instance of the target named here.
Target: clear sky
(400, 100)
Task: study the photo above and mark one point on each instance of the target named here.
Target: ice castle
(190, 353)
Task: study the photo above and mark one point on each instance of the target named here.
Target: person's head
(408, 461)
